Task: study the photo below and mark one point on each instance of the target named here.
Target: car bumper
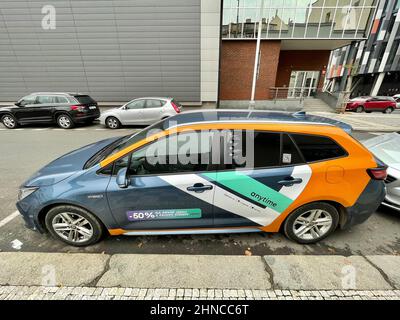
(82, 117)
(30, 219)
(368, 202)
(388, 204)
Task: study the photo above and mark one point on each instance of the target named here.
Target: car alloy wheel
(388, 110)
(64, 121)
(112, 123)
(360, 109)
(9, 122)
(312, 224)
(72, 227)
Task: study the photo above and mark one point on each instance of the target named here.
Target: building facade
(296, 38)
(371, 66)
(115, 50)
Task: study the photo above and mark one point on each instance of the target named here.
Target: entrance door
(303, 84)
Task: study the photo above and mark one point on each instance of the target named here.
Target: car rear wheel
(113, 123)
(359, 109)
(65, 121)
(388, 110)
(311, 223)
(74, 226)
(9, 121)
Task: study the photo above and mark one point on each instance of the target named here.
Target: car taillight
(78, 107)
(176, 108)
(379, 173)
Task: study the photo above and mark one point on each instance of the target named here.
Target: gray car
(142, 111)
(387, 149)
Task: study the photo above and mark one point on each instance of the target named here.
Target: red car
(369, 104)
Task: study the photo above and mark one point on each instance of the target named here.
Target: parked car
(64, 109)
(369, 104)
(140, 111)
(387, 148)
(304, 175)
(397, 99)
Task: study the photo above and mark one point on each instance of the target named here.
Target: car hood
(66, 165)
(110, 110)
(6, 108)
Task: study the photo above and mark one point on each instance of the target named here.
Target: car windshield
(388, 151)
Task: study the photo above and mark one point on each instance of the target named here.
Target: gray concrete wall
(282, 105)
(112, 49)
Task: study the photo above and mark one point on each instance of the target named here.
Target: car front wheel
(73, 225)
(359, 109)
(9, 121)
(311, 223)
(113, 123)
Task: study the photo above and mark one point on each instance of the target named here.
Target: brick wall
(237, 65)
(307, 60)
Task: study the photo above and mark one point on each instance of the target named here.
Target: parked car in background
(397, 99)
(369, 104)
(387, 148)
(65, 109)
(142, 111)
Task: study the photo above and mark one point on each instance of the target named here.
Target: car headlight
(26, 191)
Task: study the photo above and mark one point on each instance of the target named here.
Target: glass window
(153, 103)
(27, 100)
(260, 149)
(290, 153)
(316, 148)
(136, 104)
(61, 99)
(85, 99)
(182, 152)
(46, 99)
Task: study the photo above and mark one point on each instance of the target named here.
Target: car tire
(388, 110)
(64, 121)
(360, 109)
(9, 121)
(112, 123)
(90, 231)
(312, 231)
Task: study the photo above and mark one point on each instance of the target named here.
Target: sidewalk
(129, 276)
(371, 122)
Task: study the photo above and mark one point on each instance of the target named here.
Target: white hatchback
(142, 111)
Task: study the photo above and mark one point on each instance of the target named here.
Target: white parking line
(9, 218)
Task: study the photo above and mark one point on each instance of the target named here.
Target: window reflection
(297, 18)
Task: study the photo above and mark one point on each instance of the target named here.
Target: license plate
(92, 107)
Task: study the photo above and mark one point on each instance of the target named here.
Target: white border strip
(9, 218)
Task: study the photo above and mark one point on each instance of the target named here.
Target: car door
(254, 191)
(25, 110)
(132, 113)
(164, 190)
(43, 109)
(153, 110)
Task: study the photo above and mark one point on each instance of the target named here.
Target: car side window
(317, 148)
(61, 99)
(290, 153)
(257, 149)
(153, 103)
(46, 99)
(178, 153)
(27, 100)
(137, 104)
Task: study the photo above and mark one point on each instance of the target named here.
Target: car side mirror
(18, 104)
(122, 179)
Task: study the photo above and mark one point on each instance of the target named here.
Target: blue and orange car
(307, 177)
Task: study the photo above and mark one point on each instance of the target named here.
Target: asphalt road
(25, 150)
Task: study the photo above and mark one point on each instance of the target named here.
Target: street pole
(257, 60)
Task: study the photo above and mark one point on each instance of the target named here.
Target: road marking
(9, 218)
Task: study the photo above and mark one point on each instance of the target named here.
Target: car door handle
(199, 187)
(290, 181)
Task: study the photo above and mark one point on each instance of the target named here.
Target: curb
(286, 272)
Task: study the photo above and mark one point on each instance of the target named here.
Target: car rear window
(317, 148)
(84, 99)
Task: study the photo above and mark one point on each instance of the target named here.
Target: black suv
(65, 109)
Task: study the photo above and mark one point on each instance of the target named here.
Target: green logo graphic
(251, 189)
